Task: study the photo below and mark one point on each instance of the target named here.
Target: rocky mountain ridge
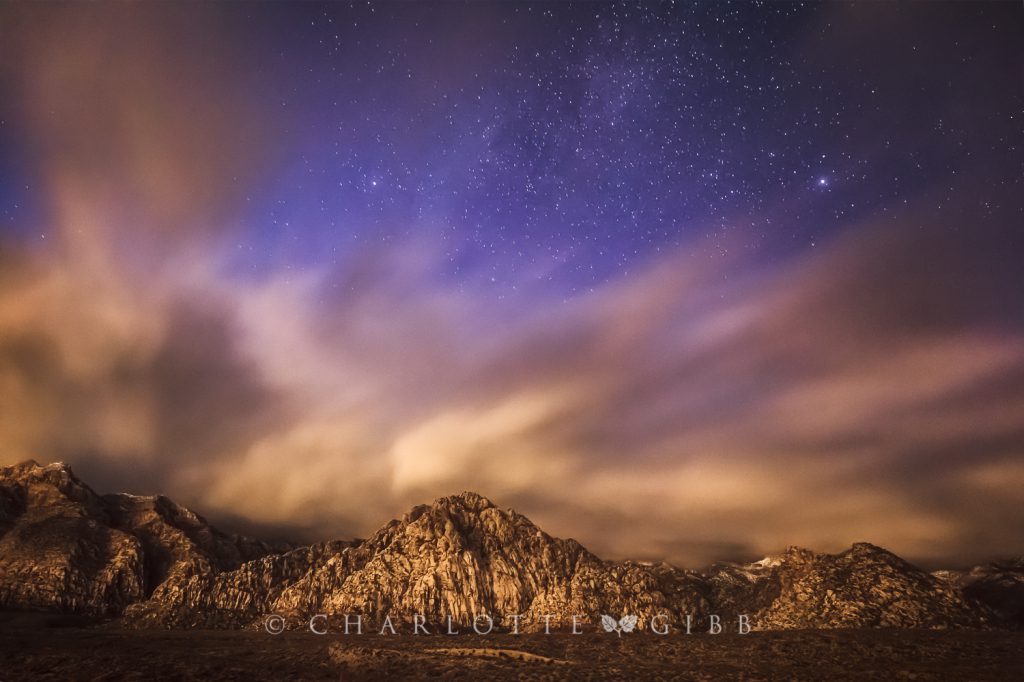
(65, 548)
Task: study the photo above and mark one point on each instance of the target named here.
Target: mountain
(865, 586)
(461, 556)
(65, 548)
(999, 586)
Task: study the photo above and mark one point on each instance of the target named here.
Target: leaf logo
(625, 624)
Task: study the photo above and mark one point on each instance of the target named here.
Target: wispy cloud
(702, 408)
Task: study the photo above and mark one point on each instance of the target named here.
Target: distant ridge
(65, 548)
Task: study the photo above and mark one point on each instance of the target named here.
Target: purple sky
(684, 283)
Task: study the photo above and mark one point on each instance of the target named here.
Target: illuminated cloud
(703, 407)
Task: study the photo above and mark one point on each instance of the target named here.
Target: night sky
(686, 282)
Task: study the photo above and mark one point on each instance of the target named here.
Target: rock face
(63, 547)
(999, 586)
(460, 557)
(865, 586)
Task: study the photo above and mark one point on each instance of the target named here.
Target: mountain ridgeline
(154, 563)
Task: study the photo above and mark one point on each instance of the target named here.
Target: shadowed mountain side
(66, 548)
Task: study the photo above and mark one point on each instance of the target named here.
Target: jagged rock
(865, 586)
(63, 547)
(172, 535)
(998, 586)
(462, 556)
(195, 594)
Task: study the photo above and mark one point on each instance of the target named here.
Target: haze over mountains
(63, 547)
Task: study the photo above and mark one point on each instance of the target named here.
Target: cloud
(113, 94)
(705, 407)
(679, 414)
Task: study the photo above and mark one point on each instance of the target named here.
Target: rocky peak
(866, 549)
(466, 501)
(464, 522)
(863, 586)
(465, 508)
(794, 554)
(62, 546)
(49, 488)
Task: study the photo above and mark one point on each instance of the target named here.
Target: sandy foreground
(38, 647)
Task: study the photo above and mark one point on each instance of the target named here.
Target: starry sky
(682, 281)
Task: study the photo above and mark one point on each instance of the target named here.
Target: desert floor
(39, 647)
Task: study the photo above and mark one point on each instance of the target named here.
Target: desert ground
(41, 647)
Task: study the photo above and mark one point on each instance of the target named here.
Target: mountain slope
(998, 586)
(865, 586)
(64, 547)
(461, 556)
